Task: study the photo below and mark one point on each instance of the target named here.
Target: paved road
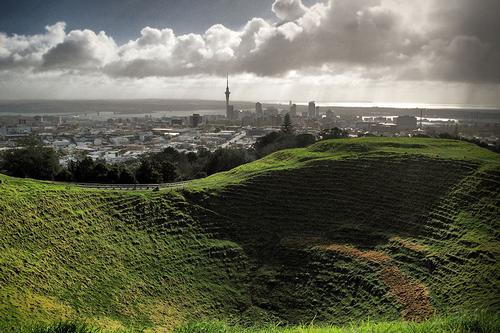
(131, 186)
(237, 137)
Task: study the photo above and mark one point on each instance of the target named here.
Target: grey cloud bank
(433, 40)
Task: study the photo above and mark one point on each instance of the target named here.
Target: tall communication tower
(227, 91)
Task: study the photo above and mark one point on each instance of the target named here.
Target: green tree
(126, 176)
(31, 160)
(102, 172)
(304, 140)
(275, 141)
(113, 175)
(146, 173)
(64, 175)
(83, 170)
(224, 159)
(167, 171)
(261, 144)
(287, 126)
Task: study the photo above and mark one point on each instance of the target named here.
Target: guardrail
(131, 186)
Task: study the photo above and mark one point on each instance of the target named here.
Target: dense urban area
(154, 147)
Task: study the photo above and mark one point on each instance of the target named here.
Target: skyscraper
(311, 111)
(195, 120)
(258, 108)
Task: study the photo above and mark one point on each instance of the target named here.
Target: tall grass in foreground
(471, 323)
(56, 327)
(479, 322)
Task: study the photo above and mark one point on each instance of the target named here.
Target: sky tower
(229, 108)
(227, 92)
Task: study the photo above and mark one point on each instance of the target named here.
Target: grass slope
(343, 230)
(120, 259)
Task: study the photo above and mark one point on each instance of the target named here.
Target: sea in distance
(168, 108)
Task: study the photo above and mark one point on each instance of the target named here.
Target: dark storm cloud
(466, 44)
(453, 41)
(80, 50)
(478, 18)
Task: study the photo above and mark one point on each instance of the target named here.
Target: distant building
(64, 143)
(271, 111)
(119, 140)
(406, 122)
(311, 110)
(195, 120)
(258, 108)
(176, 122)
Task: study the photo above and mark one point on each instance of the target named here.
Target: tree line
(31, 159)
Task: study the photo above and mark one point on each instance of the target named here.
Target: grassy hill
(341, 231)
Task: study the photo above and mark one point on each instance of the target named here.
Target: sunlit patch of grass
(351, 148)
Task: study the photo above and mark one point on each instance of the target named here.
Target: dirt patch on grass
(412, 295)
(370, 256)
(409, 244)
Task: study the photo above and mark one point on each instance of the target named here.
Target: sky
(377, 51)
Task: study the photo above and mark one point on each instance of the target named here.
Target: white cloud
(288, 10)
(290, 30)
(19, 51)
(80, 49)
(373, 39)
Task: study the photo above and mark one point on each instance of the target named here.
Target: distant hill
(40, 107)
(344, 230)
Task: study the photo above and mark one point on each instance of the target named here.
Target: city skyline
(375, 51)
